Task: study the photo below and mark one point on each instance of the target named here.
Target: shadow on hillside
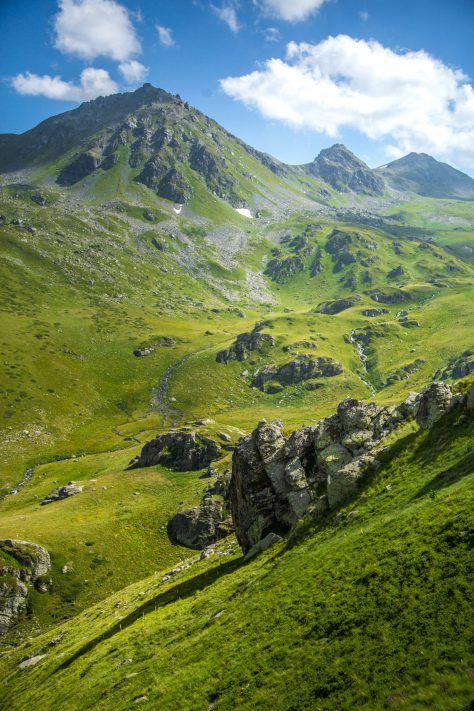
(179, 591)
(449, 476)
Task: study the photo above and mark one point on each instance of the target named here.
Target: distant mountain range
(157, 140)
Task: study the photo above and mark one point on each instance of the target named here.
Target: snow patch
(178, 209)
(244, 211)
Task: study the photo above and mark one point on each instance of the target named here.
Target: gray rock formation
(296, 371)
(459, 367)
(21, 564)
(180, 450)
(201, 526)
(280, 270)
(276, 479)
(436, 400)
(334, 307)
(62, 492)
(245, 344)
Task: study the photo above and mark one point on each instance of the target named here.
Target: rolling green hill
(140, 241)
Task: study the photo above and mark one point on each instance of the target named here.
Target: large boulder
(62, 492)
(436, 400)
(201, 526)
(296, 371)
(21, 564)
(245, 344)
(179, 449)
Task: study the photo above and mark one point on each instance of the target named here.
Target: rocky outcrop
(341, 169)
(372, 313)
(201, 526)
(62, 492)
(459, 367)
(335, 307)
(436, 400)
(81, 167)
(21, 564)
(404, 372)
(280, 270)
(245, 344)
(179, 449)
(276, 479)
(304, 367)
(388, 295)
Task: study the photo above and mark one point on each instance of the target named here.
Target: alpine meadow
(237, 386)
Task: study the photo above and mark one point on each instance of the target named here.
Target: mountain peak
(339, 167)
(422, 174)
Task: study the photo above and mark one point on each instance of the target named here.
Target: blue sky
(382, 77)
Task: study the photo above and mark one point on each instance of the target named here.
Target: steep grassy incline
(369, 610)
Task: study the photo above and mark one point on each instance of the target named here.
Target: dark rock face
(32, 565)
(245, 344)
(83, 165)
(62, 492)
(335, 307)
(276, 479)
(39, 199)
(180, 450)
(280, 270)
(436, 400)
(396, 272)
(201, 526)
(460, 367)
(375, 312)
(341, 169)
(302, 368)
(388, 296)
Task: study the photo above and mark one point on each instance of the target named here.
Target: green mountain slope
(375, 603)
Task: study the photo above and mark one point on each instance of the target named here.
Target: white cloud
(409, 99)
(93, 83)
(94, 28)
(364, 15)
(272, 34)
(290, 10)
(228, 14)
(133, 71)
(165, 35)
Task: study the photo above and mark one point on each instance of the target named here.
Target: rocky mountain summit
(422, 174)
(341, 169)
(276, 479)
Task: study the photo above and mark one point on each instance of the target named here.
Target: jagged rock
(436, 400)
(341, 169)
(245, 344)
(199, 527)
(388, 296)
(280, 270)
(296, 371)
(396, 272)
(82, 166)
(183, 451)
(39, 199)
(335, 307)
(263, 545)
(404, 372)
(62, 492)
(34, 562)
(460, 367)
(276, 480)
(375, 312)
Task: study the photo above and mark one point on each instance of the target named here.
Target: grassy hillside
(368, 610)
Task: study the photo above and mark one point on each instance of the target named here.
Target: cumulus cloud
(133, 71)
(165, 35)
(290, 10)
(228, 14)
(93, 83)
(94, 28)
(410, 100)
(272, 34)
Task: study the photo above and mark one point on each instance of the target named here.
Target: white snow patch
(244, 211)
(178, 209)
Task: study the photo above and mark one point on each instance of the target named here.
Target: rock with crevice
(200, 526)
(436, 400)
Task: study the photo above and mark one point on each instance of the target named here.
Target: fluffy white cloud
(93, 83)
(228, 14)
(93, 28)
(290, 10)
(133, 71)
(411, 100)
(165, 35)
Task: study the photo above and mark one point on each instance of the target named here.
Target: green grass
(365, 613)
